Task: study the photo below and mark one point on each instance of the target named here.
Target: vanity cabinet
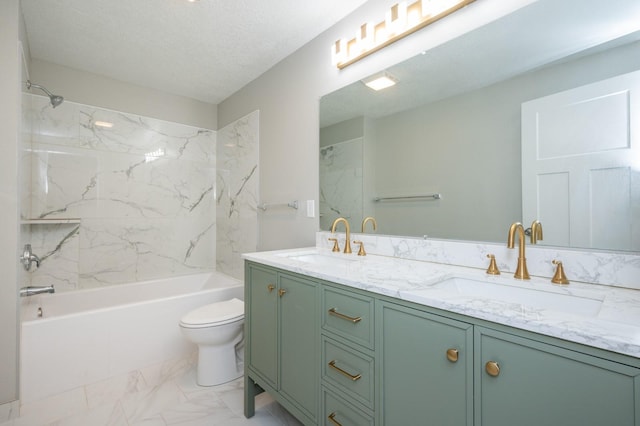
(426, 368)
(335, 355)
(282, 333)
(531, 383)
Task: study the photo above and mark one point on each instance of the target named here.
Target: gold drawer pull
(492, 368)
(270, 287)
(354, 320)
(333, 365)
(281, 292)
(452, 355)
(332, 419)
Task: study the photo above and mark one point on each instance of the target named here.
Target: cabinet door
(540, 384)
(420, 385)
(299, 347)
(262, 326)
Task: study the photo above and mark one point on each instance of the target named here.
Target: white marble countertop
(614, 325)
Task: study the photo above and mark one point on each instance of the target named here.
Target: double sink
(491, 289)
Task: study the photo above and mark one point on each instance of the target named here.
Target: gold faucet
(347, 244)
(536, 232)
(369, 219)
(521, 270)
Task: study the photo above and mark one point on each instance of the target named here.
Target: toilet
(217, 330)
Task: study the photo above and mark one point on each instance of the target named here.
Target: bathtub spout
(33, 290)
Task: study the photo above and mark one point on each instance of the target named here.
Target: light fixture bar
(350, 55)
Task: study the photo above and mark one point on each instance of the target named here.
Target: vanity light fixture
(103, 124)
(401, 20)
(380, 81)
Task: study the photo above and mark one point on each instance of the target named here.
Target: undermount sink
(316, 258)
(526, 297)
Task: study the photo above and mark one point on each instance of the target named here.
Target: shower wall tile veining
(341, 178)
(237, 193)
(118, 204)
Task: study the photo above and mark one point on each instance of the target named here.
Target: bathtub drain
(39, 312)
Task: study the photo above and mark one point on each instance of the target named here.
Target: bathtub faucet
(33, 290)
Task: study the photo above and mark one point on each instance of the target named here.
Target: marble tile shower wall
(237, 193)
(114, 205)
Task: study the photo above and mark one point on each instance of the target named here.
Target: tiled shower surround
(237, 193)
(120, 204)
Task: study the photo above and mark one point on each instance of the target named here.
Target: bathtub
(87, 336)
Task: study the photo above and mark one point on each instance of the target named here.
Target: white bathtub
(88, 336)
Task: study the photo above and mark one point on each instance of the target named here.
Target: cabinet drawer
(337, 412)
(349, 371)
(348, 315)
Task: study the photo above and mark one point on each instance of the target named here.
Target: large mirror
(439, 153)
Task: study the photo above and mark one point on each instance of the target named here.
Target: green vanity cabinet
(283, 341)
(336, 355)
(426, 368)
(530, 383)
(261, 321)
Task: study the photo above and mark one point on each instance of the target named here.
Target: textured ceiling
(205, 50)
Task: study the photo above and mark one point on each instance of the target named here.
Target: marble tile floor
(160, 395)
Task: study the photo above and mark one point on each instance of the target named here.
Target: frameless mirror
(452, 124)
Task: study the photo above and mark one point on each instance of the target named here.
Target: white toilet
(216, 329)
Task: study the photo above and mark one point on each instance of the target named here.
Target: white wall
(287, 96)
(92, 89)
(468, 148)
(9, 131)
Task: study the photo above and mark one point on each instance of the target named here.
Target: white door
(581, 165)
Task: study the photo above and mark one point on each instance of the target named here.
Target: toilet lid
(215, 313)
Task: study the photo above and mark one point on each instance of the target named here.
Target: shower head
(55, 99)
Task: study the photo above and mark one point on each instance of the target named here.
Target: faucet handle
(559, 277)
(336, 247)
(361, 251)
(493, 267)
(28, 258)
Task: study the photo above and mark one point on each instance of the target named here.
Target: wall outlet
(311, 208)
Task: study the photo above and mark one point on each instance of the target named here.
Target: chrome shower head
(55, 99)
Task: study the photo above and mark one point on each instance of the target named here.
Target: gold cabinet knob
(492, 368)
(281, 292)
(452, 355)
(270, 287)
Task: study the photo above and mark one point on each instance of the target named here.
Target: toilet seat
(214, 314)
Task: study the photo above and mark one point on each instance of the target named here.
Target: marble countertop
(614, 325)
